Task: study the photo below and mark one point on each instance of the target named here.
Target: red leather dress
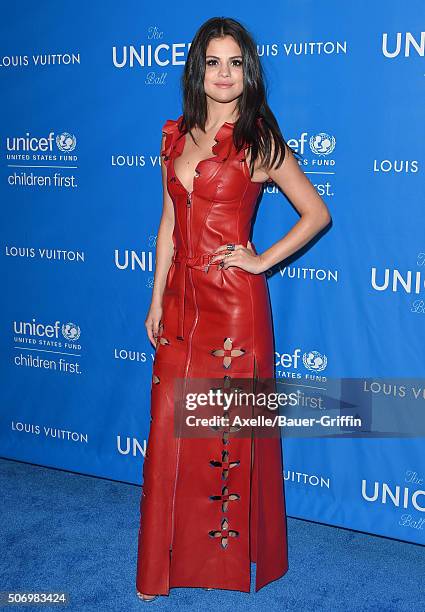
(207, 511)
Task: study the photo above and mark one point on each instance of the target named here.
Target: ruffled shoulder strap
(170, 130)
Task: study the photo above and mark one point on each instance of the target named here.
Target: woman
(210, 506)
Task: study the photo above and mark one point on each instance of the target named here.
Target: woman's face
(223, 80)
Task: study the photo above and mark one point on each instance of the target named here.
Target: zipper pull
(188, 202)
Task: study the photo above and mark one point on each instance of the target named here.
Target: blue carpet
(73, 533)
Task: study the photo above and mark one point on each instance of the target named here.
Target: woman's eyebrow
(216, 56)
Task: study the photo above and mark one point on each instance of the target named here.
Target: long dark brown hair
(252, 103)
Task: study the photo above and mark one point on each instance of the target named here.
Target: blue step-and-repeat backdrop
(86, 89)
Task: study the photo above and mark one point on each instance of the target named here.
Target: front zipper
(188, 220)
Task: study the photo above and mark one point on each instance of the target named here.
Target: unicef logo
(66, 142)
(322, 143)
(71, 331)
(315, 361)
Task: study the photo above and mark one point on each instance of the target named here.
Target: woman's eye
(213, 62)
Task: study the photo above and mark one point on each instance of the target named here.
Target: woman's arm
(303, 195)
(163, 257)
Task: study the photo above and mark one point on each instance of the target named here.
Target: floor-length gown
(210, 506)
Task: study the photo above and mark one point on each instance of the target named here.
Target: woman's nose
(224, 71)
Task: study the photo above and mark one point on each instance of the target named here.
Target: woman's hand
(153, 323)
(241, 257)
